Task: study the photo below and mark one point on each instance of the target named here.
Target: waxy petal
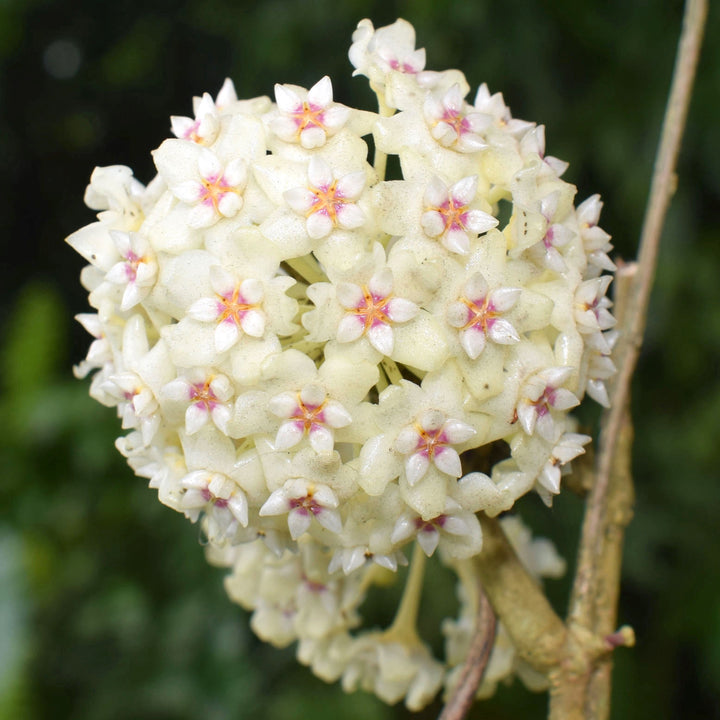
(416, 466)
(428, 540)
(299, 521)
(381, 338)
(350, 328)
(447, 460)
(400, 310)
(289, 434)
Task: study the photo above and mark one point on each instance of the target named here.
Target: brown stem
(475, 662)
(585, 693)
(520, 604)
(662, 187)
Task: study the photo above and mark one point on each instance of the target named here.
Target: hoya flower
(430, 439)
(206, 396)
(237, 309)
(136, 272)
(556, 235)
(477, 315)
(458, 530)
(211, 189)
(203, 128)
(332, 370)
(393, 671)
(568, 447)
(448, 215)
(372, 310)
(494, 106)
(118, 195)
(534, 142)
(376, 53)
(328, 202)
(308, 412)
(592, 306)
(219, 497)
(596, 240)
(308, 117)
(453, 123)
(302, 501)
(541, 395)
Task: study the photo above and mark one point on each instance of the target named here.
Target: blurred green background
(107, 607)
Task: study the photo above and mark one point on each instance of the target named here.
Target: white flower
(448, 215)
(213, 191)
(237, 308)
(595, 239)
(453, 123)
(457, 530)
(429, 440)
(477, 313)
(309, 412)
(373, 310)
(374, 53)
(328, 202)
(302, 501)
(314, 362)
(219, 497)
(136, 273)
(568, 447)
(308, 116)
(494, 105)
(592, 306)
(541, 395)
(207, 397)
(203, 128)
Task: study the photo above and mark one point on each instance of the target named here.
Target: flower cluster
(322, 365)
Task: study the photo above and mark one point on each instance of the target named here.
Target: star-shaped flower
(449, 217)
(308, 117)
(302, 501)
(328, 202)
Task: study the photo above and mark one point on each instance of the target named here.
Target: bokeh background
(108, 610)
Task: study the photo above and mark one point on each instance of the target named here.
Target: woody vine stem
(576, 654)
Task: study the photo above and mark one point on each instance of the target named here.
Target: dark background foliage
(107, 607)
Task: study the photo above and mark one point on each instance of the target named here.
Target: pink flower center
(430, 442)
(192, 133)
(402, 67)
(213, 190)
(232, 307)
(328, 201)
(373, 309)
(201, 394)
(454, 214)
(456, 120)
(481, 314)
(309, 116)
(306, 505)
(132, 260)
(308, 417)
(210, 498)
(430, 525)
(545, 401)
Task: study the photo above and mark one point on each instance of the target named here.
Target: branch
(475, 663)
(518, 601)
(662, 188)
(582, 687)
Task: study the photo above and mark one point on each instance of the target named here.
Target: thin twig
(581, 689)
(475, 663)
(662, 188)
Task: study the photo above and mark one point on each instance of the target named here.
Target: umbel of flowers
(326, 367)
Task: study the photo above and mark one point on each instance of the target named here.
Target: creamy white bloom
(314, 363)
